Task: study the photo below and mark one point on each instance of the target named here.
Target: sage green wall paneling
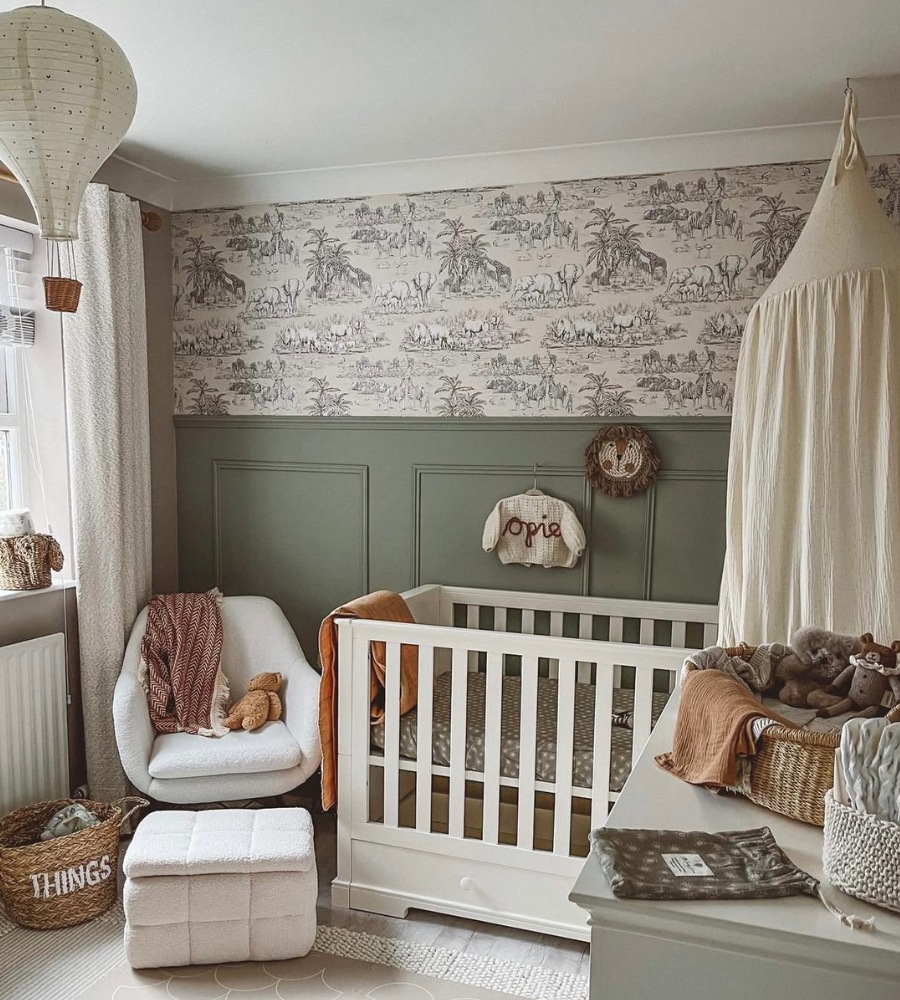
(618, 536)
(295, 532)
(300, 508)
(687, 542)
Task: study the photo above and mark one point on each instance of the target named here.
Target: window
(12, 433)
(17, 317)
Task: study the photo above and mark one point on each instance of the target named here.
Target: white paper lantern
(67, 97)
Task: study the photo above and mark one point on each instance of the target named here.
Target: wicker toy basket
(862, 854)
(793, 768)
(792, 771)
(47, 884)
(26, 561)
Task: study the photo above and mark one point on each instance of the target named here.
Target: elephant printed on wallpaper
(610, 297)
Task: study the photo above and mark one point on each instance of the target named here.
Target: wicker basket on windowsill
(793, 768)
(26, 561)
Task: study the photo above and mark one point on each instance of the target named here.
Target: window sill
(57, 585)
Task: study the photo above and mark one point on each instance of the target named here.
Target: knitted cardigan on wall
(535, 530)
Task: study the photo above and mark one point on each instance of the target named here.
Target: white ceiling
(233, 87)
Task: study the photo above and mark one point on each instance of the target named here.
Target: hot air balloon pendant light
(67, 97)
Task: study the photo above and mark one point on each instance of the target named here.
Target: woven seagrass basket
(861, 854)
(26, 561)
(793, 768)
(47, 884)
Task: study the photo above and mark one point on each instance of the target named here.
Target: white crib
(492, 824)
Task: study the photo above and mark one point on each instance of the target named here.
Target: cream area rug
(88, 963)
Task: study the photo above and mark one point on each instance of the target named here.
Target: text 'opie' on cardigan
(535, 530)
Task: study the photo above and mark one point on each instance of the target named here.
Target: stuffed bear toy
(871, 673)
(815, 659)
(260, 704)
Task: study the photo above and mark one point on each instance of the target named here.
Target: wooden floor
(440, 931)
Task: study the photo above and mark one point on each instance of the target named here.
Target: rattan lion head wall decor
(621, 461)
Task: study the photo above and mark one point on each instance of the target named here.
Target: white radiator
(34, 750)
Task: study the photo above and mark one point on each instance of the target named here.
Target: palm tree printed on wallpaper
(611, 297)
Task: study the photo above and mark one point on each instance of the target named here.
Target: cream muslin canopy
(813, 509)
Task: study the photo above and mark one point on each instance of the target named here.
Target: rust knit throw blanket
(180, 670)
(383, 606)
(713, 728)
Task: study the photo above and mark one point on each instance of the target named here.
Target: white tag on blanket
(687, 864)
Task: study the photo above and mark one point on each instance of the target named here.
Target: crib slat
(472, 622)
(643, 708)
(527, 747)
(565, 745)
(528, 621)
(492, 720)
(585, 631)
(710, 634)
(424, 713)
(499, 619)
(616, 629)
(392, 734)
(679, 631)
(603, 702)
(556, 628)
(647, 631)
(459, 685)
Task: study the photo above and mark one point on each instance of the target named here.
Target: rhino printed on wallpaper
(610, 298)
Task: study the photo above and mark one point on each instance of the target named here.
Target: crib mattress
(545, 756)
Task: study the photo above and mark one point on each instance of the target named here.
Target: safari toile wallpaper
(610, 298)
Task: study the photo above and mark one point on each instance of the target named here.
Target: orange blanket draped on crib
(382, 605)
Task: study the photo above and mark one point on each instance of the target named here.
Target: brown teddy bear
(815, 658)
(871, 673)
(260, 704)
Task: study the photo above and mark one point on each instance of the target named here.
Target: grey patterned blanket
(672, 864)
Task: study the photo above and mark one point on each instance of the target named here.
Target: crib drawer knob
(466, 884)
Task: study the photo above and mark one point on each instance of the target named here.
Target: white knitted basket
(862, 854)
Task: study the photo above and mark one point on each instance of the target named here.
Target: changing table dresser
(766, 949)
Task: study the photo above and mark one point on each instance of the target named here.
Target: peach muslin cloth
(382, 605)
(714, 727)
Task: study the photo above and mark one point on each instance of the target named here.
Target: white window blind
(17, 292)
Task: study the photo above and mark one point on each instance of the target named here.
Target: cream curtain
(813, 520)
(105, 345)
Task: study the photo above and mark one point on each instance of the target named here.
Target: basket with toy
(821, 676)
(58, 860)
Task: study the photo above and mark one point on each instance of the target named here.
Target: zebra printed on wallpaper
(610, 297)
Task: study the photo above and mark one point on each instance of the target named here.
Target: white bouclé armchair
(272, 760)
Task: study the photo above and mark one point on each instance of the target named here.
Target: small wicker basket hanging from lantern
(621, 461)
(61, 292)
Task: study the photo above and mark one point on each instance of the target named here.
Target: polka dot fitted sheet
(545, 750)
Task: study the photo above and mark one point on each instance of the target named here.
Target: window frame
(15, 423)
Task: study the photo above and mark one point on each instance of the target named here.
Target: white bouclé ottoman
(224, 885)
